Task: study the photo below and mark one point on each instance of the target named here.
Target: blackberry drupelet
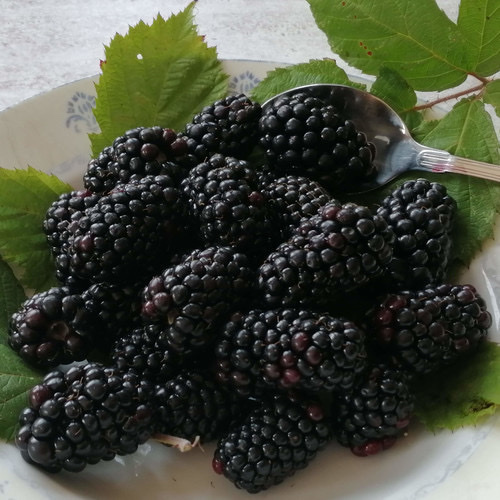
(289, 348)
(130, 233)
(421, 214)
(376, 413)
(88, 414)
(191, 299)
(146, 351)
(228, 126)
(191, 406)
(427, 329)
(338, 250)
(295, 198)
(43, 332)
(304, 134)
(280, 436)
(139, 152)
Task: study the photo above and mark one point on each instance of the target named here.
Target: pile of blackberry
(214, 285)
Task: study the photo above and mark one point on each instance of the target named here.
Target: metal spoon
(396, 151)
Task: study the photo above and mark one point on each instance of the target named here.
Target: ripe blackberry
(304, 134)
(295, 198)
(191, 298)
(42, 330)
(139, 152)
(146, 351)
(129, 233)
(88, 414)
(228, 126)
(372, 417)
(280, 436)
(192, 407)
(224, 198)
(421, 213)
(289, 348)
(426, 329)
(333, 252)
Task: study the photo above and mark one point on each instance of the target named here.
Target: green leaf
(462, 394)
(160, 74)
(416, 39)
(492, 95)
(314, 71)
(479, 22)
(11, 296)
(16, 379)
(26, 195)
(392, 88)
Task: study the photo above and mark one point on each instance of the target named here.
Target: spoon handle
(435, 160)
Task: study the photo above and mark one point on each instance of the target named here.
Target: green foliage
(16, 379)
(416, 39)
(11, 296)
(462, 394)
(315, 71)
(492, 95)
(25, 197)
(156, 75)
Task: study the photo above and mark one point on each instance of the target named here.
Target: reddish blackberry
(421, 213)
(303, 134)
(333, 252)
(379, 409)
(139, 152)
(228, 126)
(288, 348)
(88, 414)
(280, 436)
(224, 198)
(129, 233)
(295, 198)
(191, 298)
(426, 329)
(146, 351)
(192, 407)
(42, 331)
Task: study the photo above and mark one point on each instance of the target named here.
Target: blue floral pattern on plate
(243, 82)
(81, 118)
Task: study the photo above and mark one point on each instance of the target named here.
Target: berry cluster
(209, 271)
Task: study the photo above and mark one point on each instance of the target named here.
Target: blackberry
(376, 413)
(426, 329)
(192, 407)
(294, 198)
(42, 331)
(129, 233)
(140, 152)
(421, 213)
(145, 350)
(280, 436)
(88, 414)
(288, 348)
(190, 299)
(338, 250)
(228, 126)
(224, 198)
(304, 134)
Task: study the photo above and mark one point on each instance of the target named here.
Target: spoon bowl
(395, 150)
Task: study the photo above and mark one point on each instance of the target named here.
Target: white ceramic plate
(49, 132)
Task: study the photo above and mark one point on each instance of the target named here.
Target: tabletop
(44, 44)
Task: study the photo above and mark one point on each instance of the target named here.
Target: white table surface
(46, 43)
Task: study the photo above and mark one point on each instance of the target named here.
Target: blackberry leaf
(16, 380)
(463, 394)
(164, 72)
(492, 95)
(11, 296)
(315, 71)
(26, 195)
(418, 39)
